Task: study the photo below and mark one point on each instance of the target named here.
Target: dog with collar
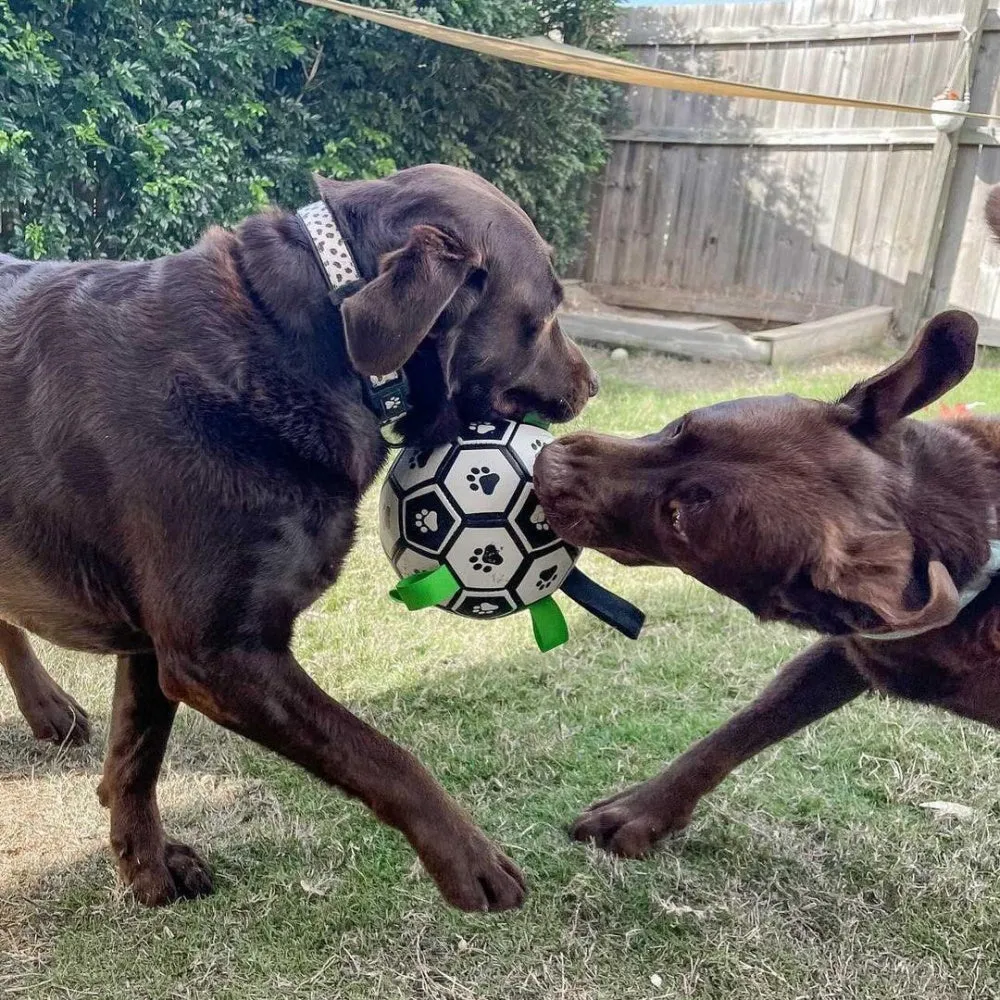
(183, 448)
(845, 518)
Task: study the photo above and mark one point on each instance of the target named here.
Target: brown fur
(845, 518)
(183, 447)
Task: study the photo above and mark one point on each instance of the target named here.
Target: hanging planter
(943, 111)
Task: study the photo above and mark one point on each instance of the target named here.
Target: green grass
(811, 872)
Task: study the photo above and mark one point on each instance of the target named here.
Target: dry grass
(813, 871)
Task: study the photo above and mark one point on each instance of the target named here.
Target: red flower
(955, 411)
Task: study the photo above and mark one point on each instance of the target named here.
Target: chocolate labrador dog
(876, 531)
(183, 446)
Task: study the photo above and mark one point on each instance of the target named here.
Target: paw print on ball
(484, 557)
(493, 604)
(487, 432)
(418, 458)
(482, 481)
(483, 560)
(538, 520)
(429, 521)
(417, 466)
(530, 523)
(527, 442)
(546, 574)
(426, 521)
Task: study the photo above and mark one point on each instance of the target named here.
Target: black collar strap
(387, 396)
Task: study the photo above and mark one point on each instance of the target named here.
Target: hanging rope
(963, 63)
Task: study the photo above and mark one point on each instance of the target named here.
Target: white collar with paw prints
(387, 396)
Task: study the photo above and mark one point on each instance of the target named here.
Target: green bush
(128, 126)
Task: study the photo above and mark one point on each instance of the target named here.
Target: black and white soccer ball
(471, 505)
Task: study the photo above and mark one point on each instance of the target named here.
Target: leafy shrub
(128, 126)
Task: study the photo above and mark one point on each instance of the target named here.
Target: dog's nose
(594, 383)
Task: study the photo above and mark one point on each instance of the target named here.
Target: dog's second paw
(179, 874)
(472, 873)
(54, 716)
(631, 823)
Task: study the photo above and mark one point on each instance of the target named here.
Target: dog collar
(966, 596)
(387, 396)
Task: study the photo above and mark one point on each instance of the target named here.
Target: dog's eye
(477, 279)
(677, 518)
(676, 428)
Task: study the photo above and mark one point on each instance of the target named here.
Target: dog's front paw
(472, 873)
(632, 822)
(179, 873)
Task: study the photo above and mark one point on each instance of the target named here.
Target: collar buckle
(388, 397)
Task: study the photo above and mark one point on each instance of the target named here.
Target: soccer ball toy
(463, 528)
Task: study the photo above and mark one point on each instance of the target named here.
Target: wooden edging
(703, 341)
(685, 340)
(824, 337)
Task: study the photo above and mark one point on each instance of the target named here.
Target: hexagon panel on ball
(527, 442)
(482, 481)
(484, 558)
(486, 432)
(408, 561)
(416, 466)
(545, 574)
(429, 520)
(529, 522)
(483, 604)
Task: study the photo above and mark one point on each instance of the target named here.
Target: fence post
(939, 177)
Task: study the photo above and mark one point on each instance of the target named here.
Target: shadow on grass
(316, 899)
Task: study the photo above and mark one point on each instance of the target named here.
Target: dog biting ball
(464, 530)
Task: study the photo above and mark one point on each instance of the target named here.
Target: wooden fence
(788, 212)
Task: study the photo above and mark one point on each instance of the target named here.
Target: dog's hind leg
(159, 870)
(49, 711)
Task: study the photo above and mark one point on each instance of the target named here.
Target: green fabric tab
(536, 421)
(424, 590)
(548, 623)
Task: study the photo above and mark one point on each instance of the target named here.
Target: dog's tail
(993, 211)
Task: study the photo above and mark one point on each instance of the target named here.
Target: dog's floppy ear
(874, 569)
(941, 355)
(387, 319)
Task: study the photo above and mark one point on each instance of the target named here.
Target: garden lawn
(812, 872)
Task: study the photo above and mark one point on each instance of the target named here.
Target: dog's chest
(260, 588)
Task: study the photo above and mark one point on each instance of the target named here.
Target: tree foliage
(129, 126)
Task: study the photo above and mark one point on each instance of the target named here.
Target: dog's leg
(807, 688)
(49, 711)
(158, 870)
(268, 698)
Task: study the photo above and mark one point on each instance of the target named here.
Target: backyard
(813, 871)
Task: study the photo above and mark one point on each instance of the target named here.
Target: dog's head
(462, 293)
(798, 509)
